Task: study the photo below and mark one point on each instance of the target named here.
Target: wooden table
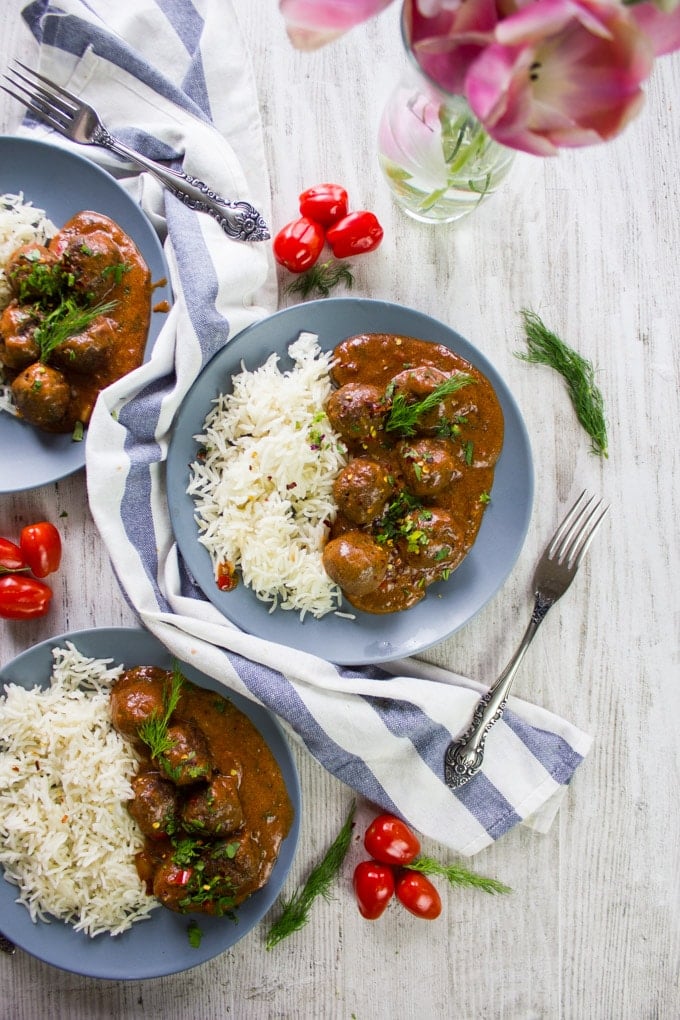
(591, 241)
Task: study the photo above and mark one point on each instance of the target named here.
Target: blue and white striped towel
(172, 77)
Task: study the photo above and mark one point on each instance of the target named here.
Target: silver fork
(555, 571)
(64, 112)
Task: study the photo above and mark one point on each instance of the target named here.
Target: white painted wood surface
(591, 241)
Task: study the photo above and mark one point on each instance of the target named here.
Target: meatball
(431, 539)
(154, 806)
(355, 562)
(428, 465)
(215, 809)
(138, 695)
(187, 759)
(85, 352)
(95, 261)
(415, 384)
(18, 347)
(173, 885)
(33, 273)
(234, 869)
(41, 394)
(357, 411)
(361, 490)
(225, 873)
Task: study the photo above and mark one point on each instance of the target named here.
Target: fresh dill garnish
(66, 320)
(321, 279)
(455, 875)
(154, 732)
(404, 416)
(296, 910)
(545, 348)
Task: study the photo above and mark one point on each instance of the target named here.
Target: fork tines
(52, 104)
(573, 537)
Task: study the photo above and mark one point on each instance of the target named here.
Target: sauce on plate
(412, 497)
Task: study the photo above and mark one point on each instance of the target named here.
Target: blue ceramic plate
(159, 945)
(63, 184)
(447, 606)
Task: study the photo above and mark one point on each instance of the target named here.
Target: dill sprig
(296, 910)
(404, 416)
(321, 279)
(545, 348)
(154, 732)
(66, 320)
(457, 875)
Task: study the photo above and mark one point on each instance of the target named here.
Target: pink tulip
(560, 73)
(313, 23)
(660, 24)
(447, 40)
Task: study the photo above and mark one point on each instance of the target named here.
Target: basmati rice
(20, 223)
(263, 484)
(67, 840)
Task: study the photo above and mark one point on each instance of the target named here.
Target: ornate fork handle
(463, 758)
(239, 220)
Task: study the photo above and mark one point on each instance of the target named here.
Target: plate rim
(106, 179)
(129, 637)
(179, 504)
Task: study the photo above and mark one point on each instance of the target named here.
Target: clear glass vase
(435, 155)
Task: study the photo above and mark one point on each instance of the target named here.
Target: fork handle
(239, 220)
(463, 757)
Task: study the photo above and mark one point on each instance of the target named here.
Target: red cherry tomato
(298, 245)
(23, 598)
(41, 546)
(325, 203)
(11, 557)
(373, 885)
(390, 840)
(355, 234)
(415, 892)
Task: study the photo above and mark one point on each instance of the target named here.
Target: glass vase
(436, 157)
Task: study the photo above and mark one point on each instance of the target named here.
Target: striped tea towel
(172, 78)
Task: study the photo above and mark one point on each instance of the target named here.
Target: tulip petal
(662, 28)
(314, 23)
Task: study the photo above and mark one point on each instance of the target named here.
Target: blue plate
(63, 184)
(159, 945)
(447, 606)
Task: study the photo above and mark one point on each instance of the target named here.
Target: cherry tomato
(23, 598)
(415, 892)
(298, 245)
(325, 203)
(11, 557)
(41, 546)
(355, 234)
(390, 840)
(373, 885)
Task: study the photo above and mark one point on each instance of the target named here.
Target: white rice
(263, 490)
(66, 838)
(20, 223)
